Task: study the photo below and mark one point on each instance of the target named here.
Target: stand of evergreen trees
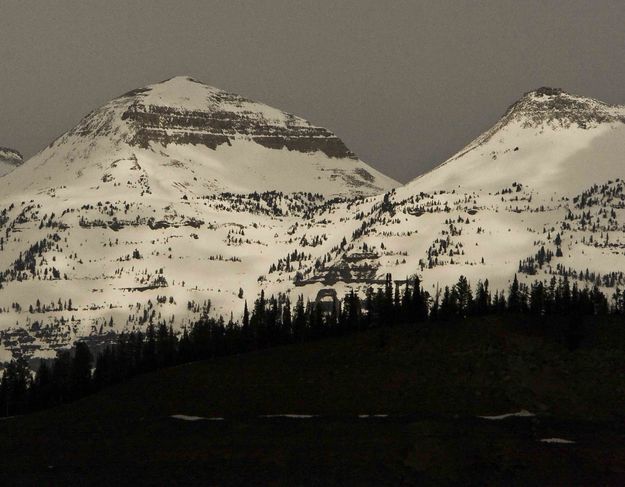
(275, 321)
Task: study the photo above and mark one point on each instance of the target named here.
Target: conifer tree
(514, 297)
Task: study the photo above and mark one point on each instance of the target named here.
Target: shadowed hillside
(427, 384)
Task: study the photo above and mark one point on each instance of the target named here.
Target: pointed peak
(181, 85)
(179, 80)
(176, 88)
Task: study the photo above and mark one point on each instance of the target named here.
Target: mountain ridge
(135, 235)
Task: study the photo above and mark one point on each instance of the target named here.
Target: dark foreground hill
(398, 406)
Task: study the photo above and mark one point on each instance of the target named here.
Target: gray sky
(404, 83)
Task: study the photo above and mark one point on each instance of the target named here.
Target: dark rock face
(213, 128)
(9, 160)
(217, 118)
(547, 91)
(11, 156)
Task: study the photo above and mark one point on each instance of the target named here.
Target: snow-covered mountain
(150, 208)
(161, 200)
(550, 140)
(541, 194)
(182, 137)
(9, 160)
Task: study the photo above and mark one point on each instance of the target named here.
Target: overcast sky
(404, 83)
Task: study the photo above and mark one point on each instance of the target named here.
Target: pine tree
(419, 302)
(514, 297)
(482, 302)
(464, 297)
(537, 299)
(299, 321)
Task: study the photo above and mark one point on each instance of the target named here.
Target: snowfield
(180, 200)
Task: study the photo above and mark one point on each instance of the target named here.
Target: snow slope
(541, 194)
(134, 216)
(549, 140)
(165, 204)
(181, 136)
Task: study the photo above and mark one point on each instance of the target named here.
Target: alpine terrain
(541, 194)
(162, 203)
(178, 200)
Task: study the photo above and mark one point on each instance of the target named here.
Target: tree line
(273, 321)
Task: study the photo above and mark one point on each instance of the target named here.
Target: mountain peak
(557, 108)
(549, 139)
(546, 91)
(181, 79)
(181, 88)
(209, 140)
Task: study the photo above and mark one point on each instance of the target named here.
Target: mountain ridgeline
(180, 199)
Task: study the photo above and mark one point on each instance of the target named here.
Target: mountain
(541, 194)
(118, 223)
(165, 204)
(9, 160)
(181, 136)
(550, 140)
